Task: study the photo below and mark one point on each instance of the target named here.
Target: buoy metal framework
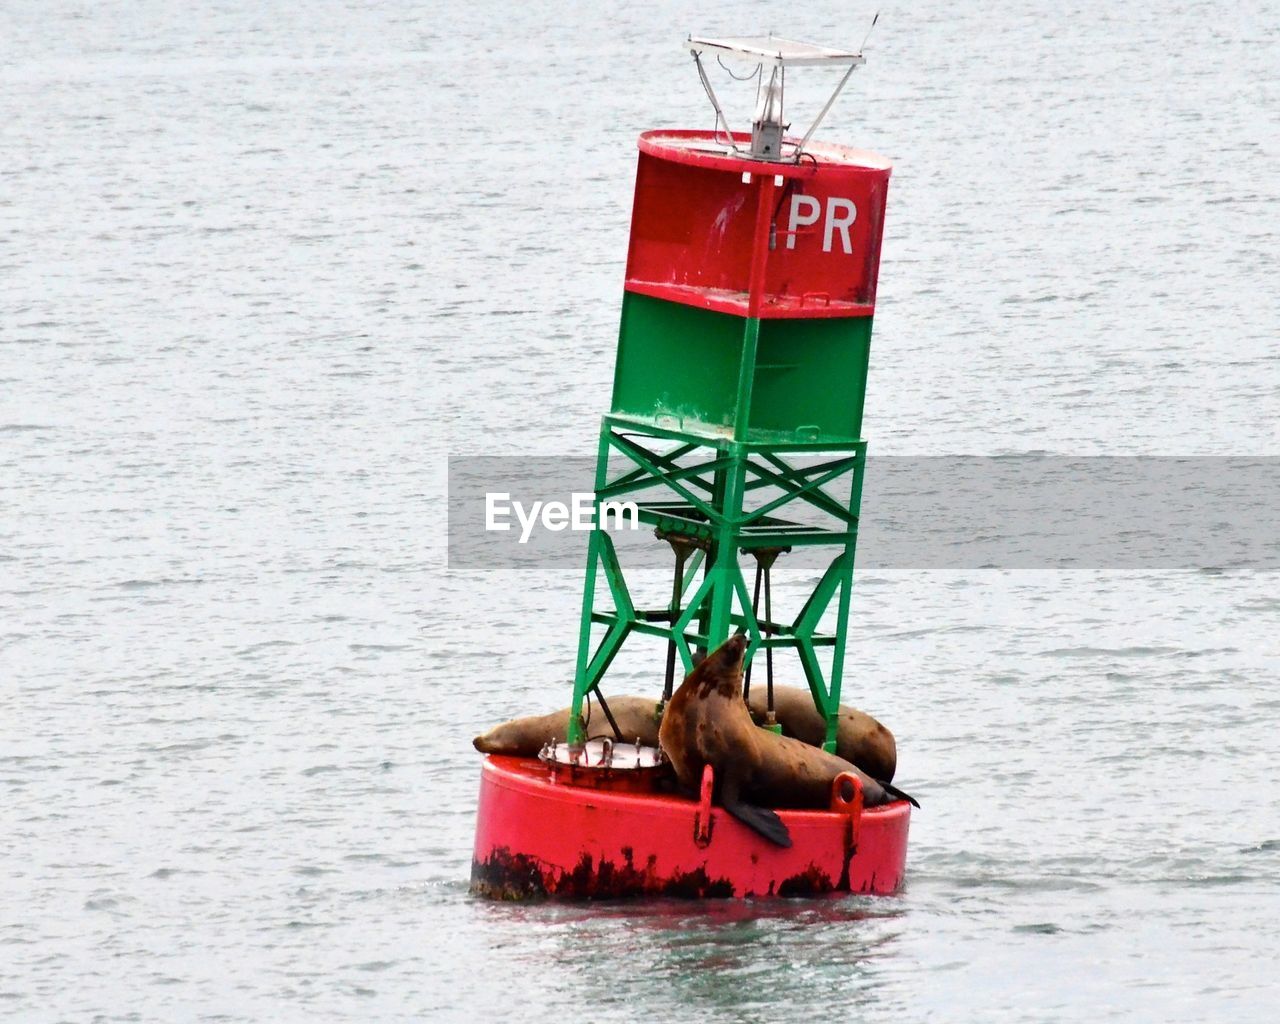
(744, 343)
(735, 426)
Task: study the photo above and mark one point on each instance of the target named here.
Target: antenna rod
(711, 95)
(823, 112)
(868, 35)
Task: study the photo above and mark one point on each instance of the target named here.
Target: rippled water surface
(264, 266)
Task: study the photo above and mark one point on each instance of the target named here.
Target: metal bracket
(711, 95)
(702, 819)
(846, 798)
(767, 140)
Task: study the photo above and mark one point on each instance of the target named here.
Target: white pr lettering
(798, 219)
(835, 223)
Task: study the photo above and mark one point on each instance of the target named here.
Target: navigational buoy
(735, 428)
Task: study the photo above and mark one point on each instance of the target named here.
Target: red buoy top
(695, 218)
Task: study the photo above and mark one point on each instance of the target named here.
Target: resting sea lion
(707, 722)
(524, 737)
(859, 737)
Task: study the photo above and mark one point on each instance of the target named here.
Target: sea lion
(525, 737)
(859, 737)
(707, 722)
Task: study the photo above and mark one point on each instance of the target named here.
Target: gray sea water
(265, 266)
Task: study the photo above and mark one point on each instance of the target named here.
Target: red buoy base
(540, 835)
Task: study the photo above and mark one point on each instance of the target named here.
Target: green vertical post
(726, 543)
(842, 612)
(575, 731)
(746, 378)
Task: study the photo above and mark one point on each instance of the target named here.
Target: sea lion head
(720, 672)
(513, 738)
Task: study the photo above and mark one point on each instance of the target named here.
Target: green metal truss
(707, 489)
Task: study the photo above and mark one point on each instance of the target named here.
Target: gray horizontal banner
(932, 512)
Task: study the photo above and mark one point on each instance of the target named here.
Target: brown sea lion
(524, 737)
(707, 722)
(859, 737)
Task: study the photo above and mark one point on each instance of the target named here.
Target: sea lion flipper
(763, 820)
(894, 791)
